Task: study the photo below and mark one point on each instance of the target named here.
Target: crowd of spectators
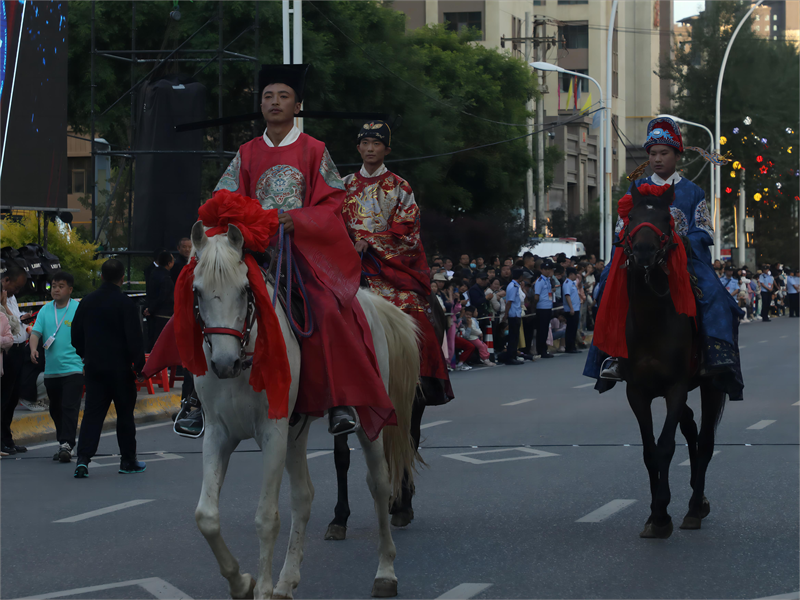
(530, 304)
(772, 291)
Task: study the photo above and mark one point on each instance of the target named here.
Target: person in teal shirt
(63, 368)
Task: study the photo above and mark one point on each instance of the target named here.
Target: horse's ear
(199, 238)
(635, 195)
(668, 196)
(235, 237)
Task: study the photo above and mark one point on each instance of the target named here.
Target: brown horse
(663, 362)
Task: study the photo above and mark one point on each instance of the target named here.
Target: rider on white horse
(289, 170)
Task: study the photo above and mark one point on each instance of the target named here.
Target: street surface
(535, 489)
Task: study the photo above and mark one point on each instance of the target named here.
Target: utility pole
(740, 218)
(293, 38)
(540, 56)
(530, 203)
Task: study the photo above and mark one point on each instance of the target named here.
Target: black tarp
(167, 186)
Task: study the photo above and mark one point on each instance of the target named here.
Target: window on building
(774, 17)
(576, 36)
(774, 28)
(758, 27)
(573, 1)
(539, 2)
(463, 20)
(77, 183)
(516, 31)
(758, 17)
(582, 81)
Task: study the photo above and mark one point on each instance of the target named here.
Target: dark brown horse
(663, 362)
(401, 511)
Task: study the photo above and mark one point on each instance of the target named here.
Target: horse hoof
(690, 522)
(653, 531)
(384, 588)
(705, 508)
(336, 532)
(250, 593)
(402, 519)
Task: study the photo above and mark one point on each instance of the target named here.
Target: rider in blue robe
(717, 312)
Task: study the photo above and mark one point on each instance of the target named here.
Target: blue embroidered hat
(665, 131)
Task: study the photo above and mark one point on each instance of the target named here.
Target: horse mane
(217, 262)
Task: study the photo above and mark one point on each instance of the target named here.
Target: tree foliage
(760, 87)
(362, 59)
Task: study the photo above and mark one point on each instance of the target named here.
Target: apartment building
(643, 32)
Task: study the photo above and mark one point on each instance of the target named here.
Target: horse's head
(223, 302)
(648, 236)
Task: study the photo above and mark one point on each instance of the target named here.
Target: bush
(76, 256)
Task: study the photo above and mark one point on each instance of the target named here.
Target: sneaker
(9, 450)
(65, 453)
(488, 363)
(745, 320)
(463, 367)
(342, 420)
(192, 423)
(611, 371)
(82, 471)
(37, 406)
(128, 467)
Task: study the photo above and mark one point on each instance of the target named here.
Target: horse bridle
(243, 335)
(661, 254)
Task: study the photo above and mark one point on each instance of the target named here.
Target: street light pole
(717, 232)
(546, 66)
(607, 218)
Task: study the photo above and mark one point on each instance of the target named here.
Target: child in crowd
(472, 333)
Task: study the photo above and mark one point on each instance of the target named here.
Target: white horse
(234, 412)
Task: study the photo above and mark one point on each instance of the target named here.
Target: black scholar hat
(379, 130)
(292, 75)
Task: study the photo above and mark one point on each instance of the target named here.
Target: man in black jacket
(107, 336)
(160, 296)
(184, 253)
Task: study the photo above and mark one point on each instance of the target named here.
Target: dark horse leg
(713, 402)
(689, 431)
(640, 403)
(337, 530)
(402, 511)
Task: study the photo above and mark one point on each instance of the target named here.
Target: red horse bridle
(243, 335)
(663, 238)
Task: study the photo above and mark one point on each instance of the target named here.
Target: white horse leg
(385, 584)
(268, 521)
(217, 450)
(302, 496)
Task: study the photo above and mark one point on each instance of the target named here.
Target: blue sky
(686, 8)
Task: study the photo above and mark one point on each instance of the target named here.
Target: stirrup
(607, 365)
(348, 431)
(186, 407)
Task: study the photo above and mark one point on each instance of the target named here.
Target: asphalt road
(523, 528)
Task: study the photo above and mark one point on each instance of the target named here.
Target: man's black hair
(112, 270)
(527, 255)
(481, 275)
(183, 239)
(13, 271)
(65, 277)
(164, 259)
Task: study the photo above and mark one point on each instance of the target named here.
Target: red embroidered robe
(338, 360)
(381, 210)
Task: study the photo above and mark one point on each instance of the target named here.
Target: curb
(39, 427)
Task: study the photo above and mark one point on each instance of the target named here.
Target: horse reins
(661, 254)
(243, 335)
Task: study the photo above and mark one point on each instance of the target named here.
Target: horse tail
(401, 338)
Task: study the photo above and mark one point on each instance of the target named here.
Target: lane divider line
(523, 401)
(103, 511)
(762, 424)
(605, 511)
(433, 424)
(585, 385)
(464, 591)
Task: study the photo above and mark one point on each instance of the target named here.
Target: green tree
(755, 65)
(452, 94)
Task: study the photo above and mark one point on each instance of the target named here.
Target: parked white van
(552, 246)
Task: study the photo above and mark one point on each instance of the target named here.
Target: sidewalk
(32, 427)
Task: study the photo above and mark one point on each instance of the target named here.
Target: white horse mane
(217, 262)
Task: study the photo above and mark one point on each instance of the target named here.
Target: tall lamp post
(607, 216)
(714, 168)
(546, 66)
(717, 233)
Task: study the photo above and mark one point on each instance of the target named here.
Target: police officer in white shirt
(793, 292)
(766, 286)
(14, 280)
(543, 297)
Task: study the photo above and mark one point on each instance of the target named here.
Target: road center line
(605, 511)
(762, 424)
(318, 453)
(784, 336)
(519, 402)
(585, 385)
(103, 511)
(763, 342)
(687, 463)
(464, 591)
(433, 424)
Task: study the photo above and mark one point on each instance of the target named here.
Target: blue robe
(717, 312)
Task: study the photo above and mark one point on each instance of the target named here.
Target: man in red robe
(289, 170)
(383, 221)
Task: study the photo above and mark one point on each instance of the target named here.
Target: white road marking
(433, 424)
(161, 454)
(763, 342)
(796, 404)
(605, 511)
(523, 401)
(789, 596)
(106, 434)
(155, 585)
(742, 347)
(103, 511)
(687, 463)
(762, 424)
(529, 453)
(784, 336)
(318, 453)
(585, 385)
(464, 591)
